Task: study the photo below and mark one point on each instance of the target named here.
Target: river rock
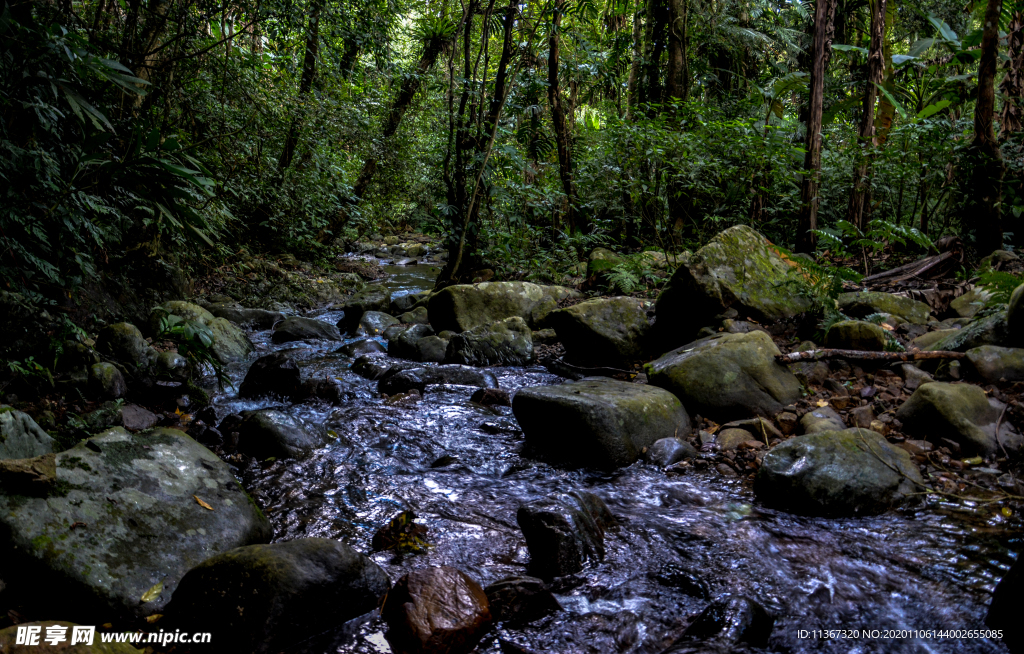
(393, 331)
(1004, 611)
(597, 421)
(402, 379)
(990, 330)
(865, 303)
(305, 329)
(267, 598)
(1015, 317)
(822, 418)
(374, 366)
(371, 298)
(993, 363)
(727, 376)
(403, 303)
(124, 342)
(254, 318)
(171, 366)
(970, 303)
(359, 348)
(274, 374)
(726, 623)
(9, 641)
(507, 342)
(856, 335)
(266, 433)
(564, 532)
(962, 413)
(436, 611)
(609, 331)
(404, 345)
(809, 373)
(373, 323)
(666, 451)
(20, 436)
(181, 309)
(417, 316)
(836, 473)
(133, 498)
(230, 344)
(738, 268)
(136, 418)
(106, 381)
(520, 600)
(465, 306)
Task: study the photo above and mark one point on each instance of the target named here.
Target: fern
(1000, 285)
(623, 280)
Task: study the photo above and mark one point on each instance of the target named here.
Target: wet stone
(271, 375)
(565, 532)
(520, 600)
(436, 611)
(666, 451)
(361, 347)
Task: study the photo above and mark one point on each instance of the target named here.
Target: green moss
(73, 462)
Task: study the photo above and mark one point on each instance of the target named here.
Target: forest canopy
(524, 134)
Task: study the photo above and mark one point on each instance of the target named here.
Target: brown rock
(492, 397)
(862, 416)
(436, 610)
(34, 477)
(787, 422)
(137, 419)
(730, 439)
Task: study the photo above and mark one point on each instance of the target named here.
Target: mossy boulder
(181, 309)
(609, 331)
(305, 329)
(856, 335)
(373, 323)
(371, 298)
(106, 381)
(738, 268)
(864, 303)
(837, 473)
(268, 598)
(230, 344)
(961, 413)
(254, 318)
(407, 345)
(122, 517)
(171, 366)
(970, 303)
(417, 316)
(9, 641)
(124, 342)
(598, 422)
(402, 377)
(993, 363)
(463, 307)
(1015, 317)
(20, 436)
(266, 433)
(506, 342)
(990, 330)
(727, 376)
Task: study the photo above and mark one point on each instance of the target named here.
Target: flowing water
(680, 541)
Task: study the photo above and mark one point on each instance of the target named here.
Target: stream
(681, 540)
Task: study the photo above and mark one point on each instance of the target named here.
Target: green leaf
(933, 109)
(920, 47)
(850, 48)
(944, 29)
(153, 592)
(893, 100)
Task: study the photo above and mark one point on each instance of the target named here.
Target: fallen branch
(865, 355)
(909, 270)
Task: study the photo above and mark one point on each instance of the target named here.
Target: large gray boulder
(267, 598)
(727, 376)
(738, 268)
(962, 413)
(837, 473)
(20, 436)
(121, 515)
(598, 422)
(507, 342)
(609, 331)
(463, 307)
(990, 330)
(266, 433)
(993, 363)
(305, 329)
(865, 303)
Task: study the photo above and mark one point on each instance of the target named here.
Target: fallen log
(830, 353)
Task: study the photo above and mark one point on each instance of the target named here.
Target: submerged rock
(520, 600)
(507, 342)
(20, 436)
(305, 329)
(837, 473)
(268, 598)
(727, 622)
(608, 331)
(565, 532)
(123, 517)
(274, 374)
(597, 421)
(463, 307)
(436, 611)
(961, 413)
(738, 268)
(403, 378)
(727, 376)
(268, 433)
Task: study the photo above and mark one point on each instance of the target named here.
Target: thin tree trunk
(985, 194)
(558, 120)
(305, 84)
(1011, 117)
(860, 198)
(634, 66)
(824, 12)
(676, 83)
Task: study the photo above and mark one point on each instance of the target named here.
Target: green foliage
(632, 274)
(1000, 285)
(194, 340)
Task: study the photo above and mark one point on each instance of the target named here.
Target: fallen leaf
(153, 618)
(887, 326)
(202, 503)
(153, 592)
(107, 625)
(822, 403)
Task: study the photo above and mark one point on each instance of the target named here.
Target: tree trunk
(559, 122)
(677, 83)
(1011, 118)
(824, 12)
(634, 66)
(305, 84)
(860, 198)
(985, 191)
